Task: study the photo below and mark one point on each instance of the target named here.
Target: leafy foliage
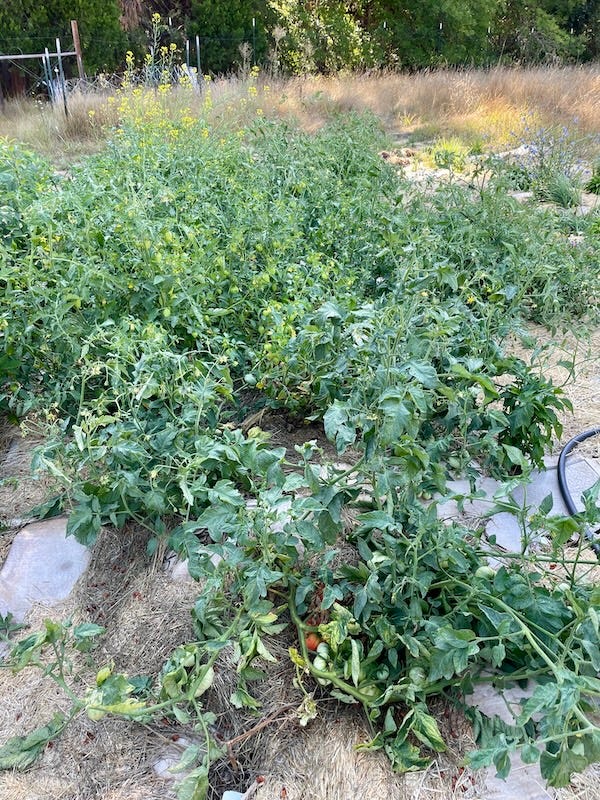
(325, 35)
(188, 276)
(593, 185)
(28, 27)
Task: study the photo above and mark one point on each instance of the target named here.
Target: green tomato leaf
(425, 728)
(530, 754)
(422, 372)
(337, 426)
(204, 681)
(21, 752)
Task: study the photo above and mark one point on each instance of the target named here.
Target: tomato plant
(176, 283)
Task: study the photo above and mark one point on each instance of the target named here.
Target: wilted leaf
(20, 752)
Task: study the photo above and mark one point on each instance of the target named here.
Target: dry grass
(469, 103)
(45, 128)
(582, 388)
(492, 106)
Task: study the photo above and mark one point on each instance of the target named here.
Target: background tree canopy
(296, 36)
(27, 26)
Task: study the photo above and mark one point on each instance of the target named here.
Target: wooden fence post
(77, 46)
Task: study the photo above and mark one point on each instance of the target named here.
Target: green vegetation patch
(187, 277)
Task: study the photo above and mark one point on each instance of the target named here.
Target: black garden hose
(562, 480)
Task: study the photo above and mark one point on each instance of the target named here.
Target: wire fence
(150, 76)
(59, 90)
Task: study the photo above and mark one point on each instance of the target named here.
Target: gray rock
(42, 566)
(524, 780)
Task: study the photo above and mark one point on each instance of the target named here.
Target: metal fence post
(61, 73)
(198, 58)
(48, 74)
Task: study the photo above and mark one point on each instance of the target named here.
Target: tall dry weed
(494, 104)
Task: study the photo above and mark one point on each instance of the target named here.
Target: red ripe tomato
(313, 640)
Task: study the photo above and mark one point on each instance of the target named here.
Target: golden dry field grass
(492, 107)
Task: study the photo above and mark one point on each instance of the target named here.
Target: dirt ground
(146, 614)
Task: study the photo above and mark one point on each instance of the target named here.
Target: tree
(433, 31)
(224, 27)
(324, 35)
(29, 26)
(536, 31)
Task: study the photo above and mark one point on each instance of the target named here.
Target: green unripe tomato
(323, 650)
(370, 690)
(320, 663)
(417, 676)
(485, 572)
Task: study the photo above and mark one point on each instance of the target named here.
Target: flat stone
(477, 507)
(521, 197)
(179, 570)
(524, 780)
(165, 766)
(42, 566)
(505, 704)
(516, 152)
(581, 474)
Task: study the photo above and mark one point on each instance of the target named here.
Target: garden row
(189, 276)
